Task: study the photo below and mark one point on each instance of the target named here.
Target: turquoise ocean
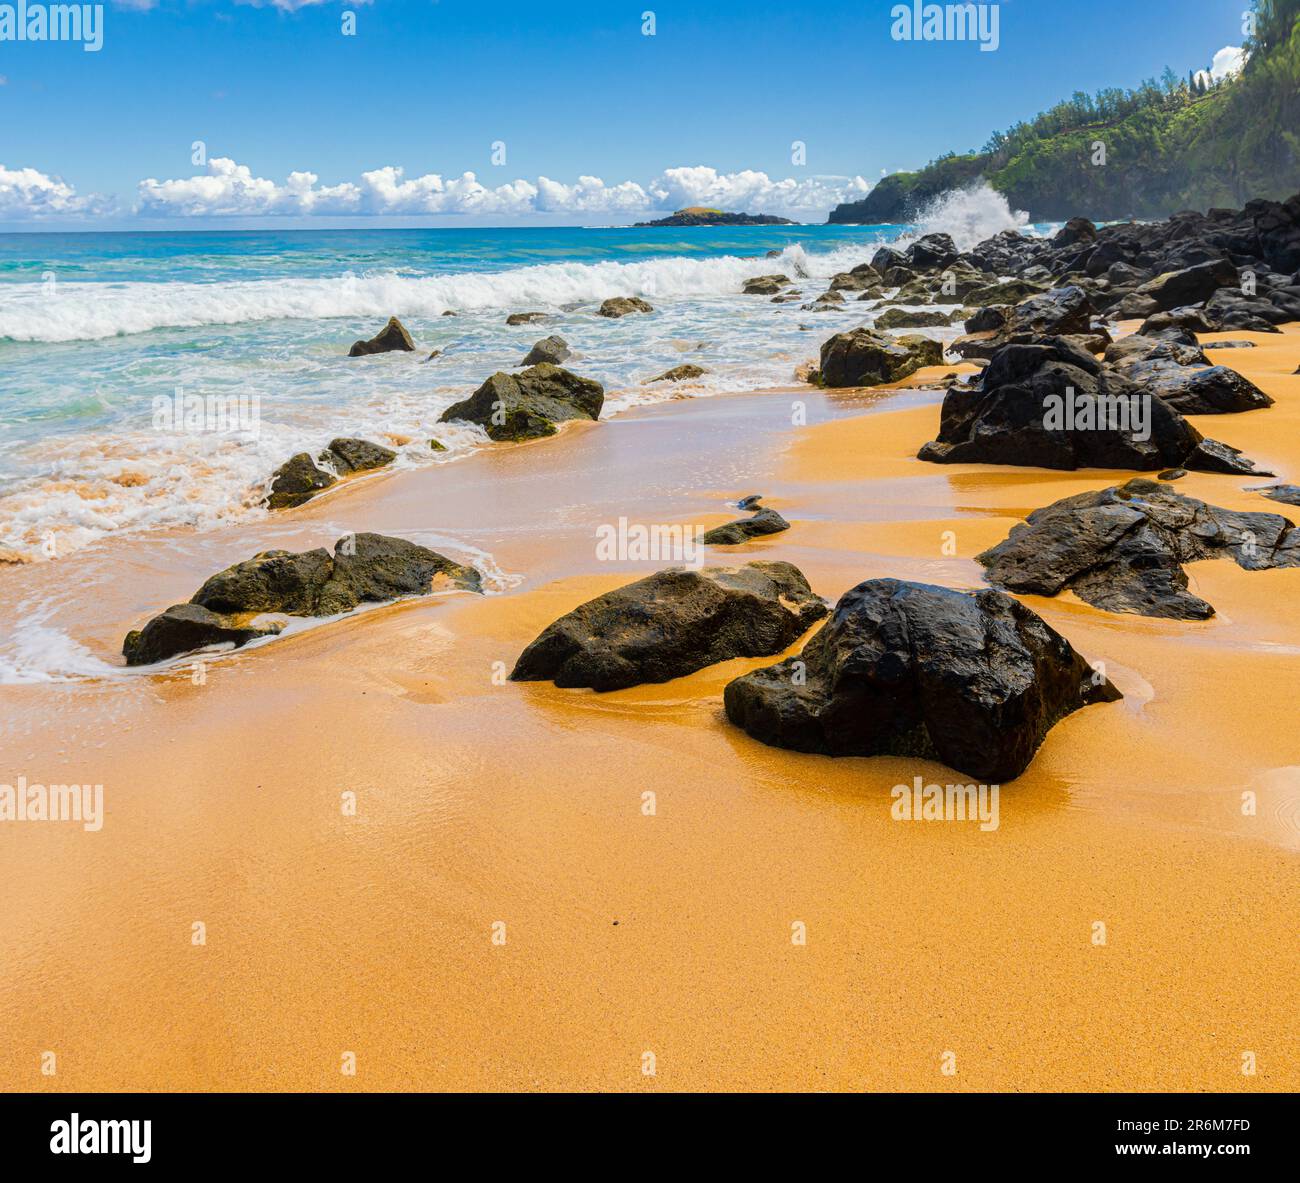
(96, 328)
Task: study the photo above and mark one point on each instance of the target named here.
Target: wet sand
(480, 802)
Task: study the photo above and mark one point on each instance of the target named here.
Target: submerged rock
(673, 623)
(972, 679)
(1053, 405)
(617, 306)
(1122, 549)
(393, 336)
(863, 357)
(364, 568)
(525, 318)
(550, 349)
(528, 405)
(683, 373)
(765, 521)
(765, 285)
(826, 302)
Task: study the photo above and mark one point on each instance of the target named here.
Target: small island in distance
(699, 215)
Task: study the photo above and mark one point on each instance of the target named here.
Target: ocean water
(95, 329)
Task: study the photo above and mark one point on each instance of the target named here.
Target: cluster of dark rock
(363, 568)
(1103, 418)
(1240, 266)
(973, 679)
(511, 407)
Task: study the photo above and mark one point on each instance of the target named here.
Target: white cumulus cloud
(231, 189)
(750, 191)
(1228, 61)
(29, 193)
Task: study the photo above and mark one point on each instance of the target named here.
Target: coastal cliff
(1172, 143)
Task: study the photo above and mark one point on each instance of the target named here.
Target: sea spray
(970, 215)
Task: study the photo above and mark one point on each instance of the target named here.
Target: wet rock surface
(764, 521)
(864, 357)
(673, 623)
(1123, 548)
(972, 679)
(363, 568)
(1051, 404)
(391, 338)
(529, 404)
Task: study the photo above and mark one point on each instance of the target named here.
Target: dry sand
(480, 802)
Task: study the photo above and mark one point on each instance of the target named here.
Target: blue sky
(571, 89)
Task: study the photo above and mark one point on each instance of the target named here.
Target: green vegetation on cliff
(1173, 143)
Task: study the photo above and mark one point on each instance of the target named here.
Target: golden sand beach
(482, 803)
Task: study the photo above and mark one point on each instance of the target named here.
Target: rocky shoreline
(973, 679)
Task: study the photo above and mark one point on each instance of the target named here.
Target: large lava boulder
(364, 568)
(863, 357)
(931, 252)
(1190, 285)
(972, 679)
(393, 336)
(1193, 389)
(528, 405)
(1061, 311)
(1123, 548)
(1051, 404)
(673, 623)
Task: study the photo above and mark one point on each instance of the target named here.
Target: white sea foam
(38, 653)
(970, 215)
(95, 311)
(104, 470)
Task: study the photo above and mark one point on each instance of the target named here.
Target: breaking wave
(95, 311)
(970, 215)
